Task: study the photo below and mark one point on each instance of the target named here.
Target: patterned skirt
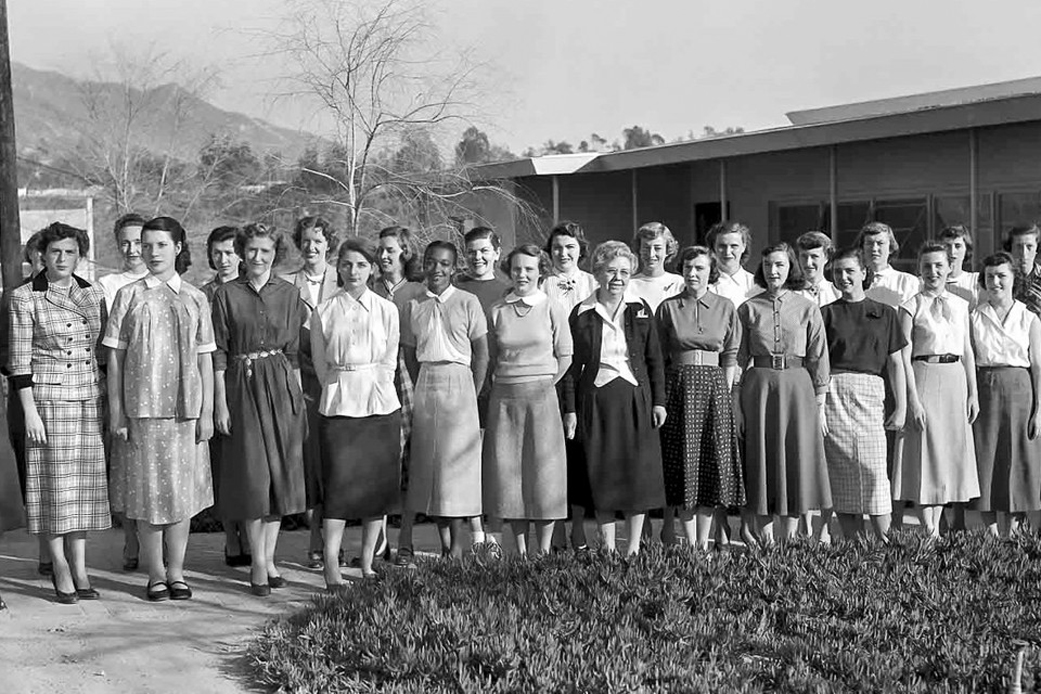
(855, 446)
(166, 472)
(699, 445)
(406, 396)
(66, 484)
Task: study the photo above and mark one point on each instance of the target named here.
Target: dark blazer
(645, 357)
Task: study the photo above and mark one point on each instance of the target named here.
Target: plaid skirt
(855, 446)
(66, 484)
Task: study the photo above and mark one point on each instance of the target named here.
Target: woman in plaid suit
(56, 323)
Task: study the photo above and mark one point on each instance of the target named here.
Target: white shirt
(940, 323)
(966, 286)
(354, 345)
(738, 287)
(998, 343)
(111, 284)
(442, 326)
(892, 287)
(569, 290)
(614, 350)
(822, 294)
(655, 290)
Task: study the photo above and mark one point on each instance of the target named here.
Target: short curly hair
(728, 227)
(608, 251)
(59, 232)
(305, 223)
(257, 230)
(652, 231)
(874, 229)
(690, 253)
(816, 239)
(575, 231)
(219, 235)
(533, 251)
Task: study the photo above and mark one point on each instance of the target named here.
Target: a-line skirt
(313, 492)
(855, 446)
(525, 465)
(445, 464)
(1007, 460)
(700, 453)
(785, 472)
(361, 466)
(406, 396)
(937, 465)
(12, 508)
(66, 481)
(621, 448)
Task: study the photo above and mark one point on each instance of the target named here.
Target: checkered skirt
(66, 484)
(855, 446)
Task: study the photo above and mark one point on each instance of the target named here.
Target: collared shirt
(569, 290)
(655, 290)
(354, 344)
(614, 350)
(821, 294)
(210, 288)
(940, 323)
(247, 320)
(999, 342)
(709, 323)
(892, 287)
(786, 324)
(738, 287)
(401, 293)
(441, 327)
(1028, 289)
(967, 286)
(111, 284)
(527, 335)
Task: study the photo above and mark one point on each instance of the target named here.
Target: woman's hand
(1033, 426)
(895, 421)
(823, 419)
(222, 419)
(34, 430)
(973, 407)
(570, 425)
(204, 428)
(916, 413)
(658, 416)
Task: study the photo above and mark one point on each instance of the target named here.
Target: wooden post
(10, 227)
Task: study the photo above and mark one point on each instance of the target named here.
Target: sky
(562, 69)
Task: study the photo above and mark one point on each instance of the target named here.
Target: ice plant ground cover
(912, 616)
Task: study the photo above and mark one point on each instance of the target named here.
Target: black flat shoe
(261, 590)
(276, 581)
(70, 598)
(131, 564)
(45, 568)
(237, 560)
(315, 559)
(87, 593)
(179, 590)
(158, 591)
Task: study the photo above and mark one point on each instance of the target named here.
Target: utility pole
(10, 227)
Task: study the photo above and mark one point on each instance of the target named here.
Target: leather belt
(777, 362)
(937, 358)
(696, 357)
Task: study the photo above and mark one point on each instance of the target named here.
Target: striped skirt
(66, 484)
(855, 446)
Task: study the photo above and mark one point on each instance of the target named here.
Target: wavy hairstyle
(728, 227)
(177, 234)
(690, 253)
(533, 251)
(796, 280)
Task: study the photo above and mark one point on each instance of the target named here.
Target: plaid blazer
(54, 339)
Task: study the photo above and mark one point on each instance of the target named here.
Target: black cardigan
(641, 337)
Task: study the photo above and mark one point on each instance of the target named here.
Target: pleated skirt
(937, 465)
(700, 452)
(361, 472)
(855, 446)
(785, 470)
(445, 463)
(525, 464)
(621, 448)
(1007, 461)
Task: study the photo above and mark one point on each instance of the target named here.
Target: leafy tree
(637, 137)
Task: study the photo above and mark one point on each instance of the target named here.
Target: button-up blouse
(786, 324)
(1002, 343)
(939, 323)
(354, 344)
(709, 323)
(569, 290)
(246, 320)
(738, 287)
(614, 350)
(441, 327)
(529, 334)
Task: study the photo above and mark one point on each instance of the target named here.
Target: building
(918, 163)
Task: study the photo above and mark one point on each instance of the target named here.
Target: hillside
(51, 111)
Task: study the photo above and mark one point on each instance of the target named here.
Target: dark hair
(256, 230)
(365, 248)
(816, 239)
(58, 232)
(478, 233)
(727, 227)
(931, 247)
(994, 260)
(533, 251)
(444, 246)
(572, 229)
(33, 244)
(873, 229)
(957, 231)
(655, 230)
(305, 223)
(219, 235)
(410, 261)
(171, 226)
(854, 253)
(131, 219)
(690, 253)
(796, 280)
(1021, 230)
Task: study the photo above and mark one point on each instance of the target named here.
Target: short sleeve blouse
(939, 323)
(1002, 343)
(441, 327)
(861, 335)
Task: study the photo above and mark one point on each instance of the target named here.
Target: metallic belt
(777, 362)
(251, 357)
(696, 357)
(355, 367)
(937, 358)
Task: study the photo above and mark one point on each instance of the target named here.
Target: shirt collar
(591, 303)
(705, 300)
(365, 300)
(443, 296)
(151, 281)
(533, 299)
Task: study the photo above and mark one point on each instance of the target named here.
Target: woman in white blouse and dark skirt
(1006, 338)
(614, 397)
(354, 344)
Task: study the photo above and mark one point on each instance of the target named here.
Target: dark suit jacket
(641, 337)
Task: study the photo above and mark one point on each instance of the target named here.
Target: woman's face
(389, 254)
(61, 258)
(933, 269)
(438, 265)
(776, 267)
(313, 247)
(130, 247)
(565, 251)
(876, 249)
(614, 276)
(956, 250)
(355, 271)
(848, 276)
(812, 262)
(729, 248)
(160, 252)
(260, 255)
(998, 280)
(524, 271)
(696, 272)
(225, 259)
(652, 255)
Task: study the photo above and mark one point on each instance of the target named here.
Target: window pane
(852, 216)
(1018, 208)
(795, 220)
(952, 210)
(909, 221)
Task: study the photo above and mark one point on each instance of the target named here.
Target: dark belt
(696, 357)
(937, 358)
(777, 362)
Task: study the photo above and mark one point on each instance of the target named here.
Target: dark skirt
(361, 472)
(16, 434)
(621, 448)
(263, 458)
(12, 511)
(312, 448)
(578, 492)
(785, 472)
(1008, 462)
(700, 453)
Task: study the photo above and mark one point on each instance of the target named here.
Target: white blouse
(966, 286)
(738, 287)
(569, 290)
(892, 287)
(614, 350)
(821, 294)
(354, 344)
(998, 343)
(940, 323)
(655, 290)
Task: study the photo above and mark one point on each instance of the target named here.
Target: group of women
(387, 382)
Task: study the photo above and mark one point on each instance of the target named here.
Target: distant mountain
(50, 112)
